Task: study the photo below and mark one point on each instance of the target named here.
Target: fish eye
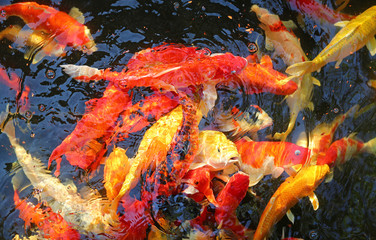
(297, 152)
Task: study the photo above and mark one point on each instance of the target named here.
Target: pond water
(121, 28)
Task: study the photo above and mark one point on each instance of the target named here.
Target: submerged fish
(288, 194)
(53, 27)
(354, 35)
(84, 214)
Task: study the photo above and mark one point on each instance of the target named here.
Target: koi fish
(14, 83)
(84, 214)
(262, 158)
(52, 225)
(288, 194)
(228, 200)
(319, 11)
(154, 144)
(215, 151)
(354, 35)
(238, 123)
(287, 45)
(60, 29)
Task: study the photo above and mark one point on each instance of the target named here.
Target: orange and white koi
(55, 27)
(288, 194)
(262, 158)
(287, 45)
(354, 35)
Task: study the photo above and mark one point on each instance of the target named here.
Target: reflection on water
(56, 102)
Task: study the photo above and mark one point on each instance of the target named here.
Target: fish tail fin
(7, 125)
(83, 73)
(370, 146)
(299, 69)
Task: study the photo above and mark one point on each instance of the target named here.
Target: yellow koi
(354, 35)
(288, 194)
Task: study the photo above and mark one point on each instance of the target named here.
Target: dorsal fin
(266, 61)
(77, 14)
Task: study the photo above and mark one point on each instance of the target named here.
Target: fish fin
(269, 44)
(83, 73)
(208, 99)
(196, 165)
(277, 171)
(293, 170)
(314, 200)
(315, 81)
(329, 177)
(266, 61)
(290, 24)
(77, 14)
(39, 56)
(341, 24)
(372, 83)
(191, 190)
(299, 69)
(370, 147)
(290, 216)
(364, 109)
(371, 46)
(338, 63)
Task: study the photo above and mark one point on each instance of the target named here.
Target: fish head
(264, 16)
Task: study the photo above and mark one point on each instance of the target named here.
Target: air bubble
(335, 110)
(176, 5)
(50, 74)
(252, 47)
(297, 152)
(32, 135)
(3, 13)
(28, 114)
(313, 235)
(206, 51)
(42, 107)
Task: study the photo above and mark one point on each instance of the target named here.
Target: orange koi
(318, 11)
(199, 185)
(14, 83)
(288, 194)
(66, 30)
(52, 225)
(263, 158)
(228, 200)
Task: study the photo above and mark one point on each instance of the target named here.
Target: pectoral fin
(277, 171)
(329, 177)
(315, 81)
(371, 45)
(269, 44)
(341, 23)
(77, 14)
(290, 24)
(338, 63)
(290, 216)
(314, 201)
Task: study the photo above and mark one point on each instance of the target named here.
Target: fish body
(287, 45)
(64, 28)
(228, 200)
(263, 158)
(83, 214)
(288, 194)
(354, 35)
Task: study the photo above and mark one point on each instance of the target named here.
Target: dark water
(121, 28)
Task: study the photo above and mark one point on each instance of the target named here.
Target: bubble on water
(203, 8)
(42, 107)
(28, 114)
(297, 152)
(335, 110)
(50, 74)
(206, 51)
(252, 47)
(32, 135)
(84, 48)
(3, 13)
(313, 235)
(176, 5)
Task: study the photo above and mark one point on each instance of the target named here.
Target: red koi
(318, 11)
(228, 200)
(52, 225)
(65, 29)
